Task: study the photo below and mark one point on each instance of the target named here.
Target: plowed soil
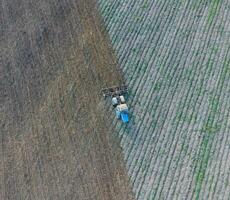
(56, 139)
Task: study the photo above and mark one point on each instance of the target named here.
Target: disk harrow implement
(114, 91)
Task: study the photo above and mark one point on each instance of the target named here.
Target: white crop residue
(175, 58)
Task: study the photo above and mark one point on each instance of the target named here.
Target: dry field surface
(175, 56)
(56, 139)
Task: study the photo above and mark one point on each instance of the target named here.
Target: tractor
(118, 101)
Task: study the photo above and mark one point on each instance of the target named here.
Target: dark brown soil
(56, 139)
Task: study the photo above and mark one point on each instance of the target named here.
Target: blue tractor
(121, 108)
(118, 101)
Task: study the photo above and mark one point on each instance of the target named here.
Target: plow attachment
(114, 91)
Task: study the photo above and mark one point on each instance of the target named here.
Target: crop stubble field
(56, 139)
(175, 56)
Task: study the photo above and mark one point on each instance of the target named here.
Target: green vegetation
(180, 49)
(213, 10)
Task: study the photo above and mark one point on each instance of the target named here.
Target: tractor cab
(118, 100)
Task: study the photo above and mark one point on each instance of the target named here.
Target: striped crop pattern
(175, 56)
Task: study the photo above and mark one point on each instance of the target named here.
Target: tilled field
(56, 138)
(176, 59)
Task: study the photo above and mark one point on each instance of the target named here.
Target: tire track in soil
(56, 139)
